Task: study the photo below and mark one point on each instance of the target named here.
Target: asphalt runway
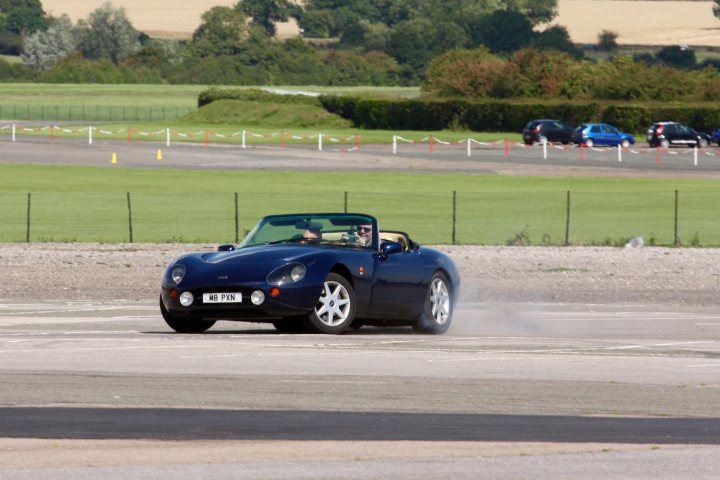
(103, 389)
(577, 379)
(485, 159)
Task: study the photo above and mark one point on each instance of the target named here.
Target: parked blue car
(591, 134)
(715, 137)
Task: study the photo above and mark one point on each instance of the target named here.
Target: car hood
(261, 254)
(250, 264)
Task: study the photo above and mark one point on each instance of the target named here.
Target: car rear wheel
(664, 143)
(182, 324)
(335, 309)
(437, 316)
(625, 143)
(589, 143)
(542, 139)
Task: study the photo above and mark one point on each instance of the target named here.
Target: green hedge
(498, 116)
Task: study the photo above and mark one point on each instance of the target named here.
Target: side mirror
(388, 248)
(226, 248)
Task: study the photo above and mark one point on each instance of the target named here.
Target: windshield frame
(338, 229)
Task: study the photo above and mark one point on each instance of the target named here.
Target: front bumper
(291, 301)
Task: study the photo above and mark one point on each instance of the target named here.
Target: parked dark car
(321, 272)
(591, 134)
(545, 130)
(673, 134)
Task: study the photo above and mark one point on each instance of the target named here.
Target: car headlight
(177, 274)
(288, 273)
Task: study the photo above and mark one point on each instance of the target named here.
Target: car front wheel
(437, 316)
(182, 324)
(335, 309)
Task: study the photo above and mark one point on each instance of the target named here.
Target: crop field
(71, 204)
(641, 22)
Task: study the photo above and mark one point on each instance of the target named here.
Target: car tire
(589, 143)
(335, 309)
(438, 311)
(625, 143)
(182, 324)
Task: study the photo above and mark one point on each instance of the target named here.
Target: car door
(596, 134)
(686, 135)
(555, 132)
(611, 135)
(672, 134)
(397, 286)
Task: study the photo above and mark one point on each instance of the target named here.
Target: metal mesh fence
(27, 112)
(486, 218)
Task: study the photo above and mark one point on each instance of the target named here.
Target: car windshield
(329, 229)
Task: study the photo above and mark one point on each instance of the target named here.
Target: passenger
(365, 234)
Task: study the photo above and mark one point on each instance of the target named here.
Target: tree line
(374, 42)
(348, 42)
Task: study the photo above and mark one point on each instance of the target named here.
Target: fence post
(237, 220)
(567, 220)
(90, 129)
(14, 127)
(27, 230)
(346, 199)
(320, 142)
(167, 137)
(676, 241)
(454, 215)
(130, 217)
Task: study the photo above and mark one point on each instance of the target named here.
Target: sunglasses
(365, 229)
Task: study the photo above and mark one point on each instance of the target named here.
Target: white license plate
(231, 297)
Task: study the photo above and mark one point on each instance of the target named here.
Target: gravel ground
(103, 272)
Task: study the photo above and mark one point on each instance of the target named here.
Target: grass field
(90, 204)
(147, 95)
(161, 103)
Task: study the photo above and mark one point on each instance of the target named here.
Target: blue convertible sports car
(321, 272)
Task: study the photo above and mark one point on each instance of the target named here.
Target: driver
(312, 235)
